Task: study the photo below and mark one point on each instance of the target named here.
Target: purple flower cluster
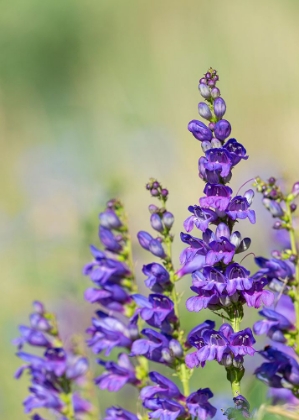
(280, 323)
(54, 374)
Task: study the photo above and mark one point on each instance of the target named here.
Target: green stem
(295, 252)
(236, 324)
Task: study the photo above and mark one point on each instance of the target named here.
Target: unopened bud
(176, 348)
(204, 111)
(216, 144)
(219, 107)
(204, 91)
(167, 356)
(156, 222)
(215, 93)
(168, 219)
(274, 207)
(206, 145)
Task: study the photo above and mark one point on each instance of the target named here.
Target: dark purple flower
(190, 261)
(158, 278)
(165, 388)
(209, 279)
(237, 151)
(117, 374)
(109, 240)
(152, 346)
(200, 131)
(118, 413)
(109, 220)
(274, 326)
(274, 268)
(222, 130)
(111, 296)
(220, 157)
(163, 409)
(221, 250)
(203, 300)
(199, 330)
(237, 278)
(106, 333)
(241, 343)
(256, 296)
(209, 172)
(201, 218)
(199, 406)
(157, 310)
(210, 346)
(238, 208)
(217, 196)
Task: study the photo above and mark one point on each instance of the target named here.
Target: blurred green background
(95, 97)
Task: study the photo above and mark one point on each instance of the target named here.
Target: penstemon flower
(146, 331)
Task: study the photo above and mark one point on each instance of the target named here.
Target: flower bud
(154, 192)
(206, 145)
(235, 239)
(164, 192)
(216, 144)
(274, 207)
(277, 225)
(293, 207)
(109, 220)
(156, 248)
(200, 131)
(152, 208)
(203, 80)
(204, 91)
(215, 92)
(238, 361)
(222, 231)
(156, 222)
(144, 239)
(168, 219)
(211, 83)
(38, 307)
(226, 360)
(222, 129)
(249, 194)
(204, 111)
(176, 348)
(219, 108)
(295, 189)
(167, 356)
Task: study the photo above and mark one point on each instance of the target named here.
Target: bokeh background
(95, 97)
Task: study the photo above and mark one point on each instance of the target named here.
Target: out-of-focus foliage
(95, 97)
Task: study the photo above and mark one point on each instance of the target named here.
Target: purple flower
(109, 240)
(163, 409)
(204, 111)
(158, 278)
(152, 346)
(220, 157)
(217, 196)
(222, 130)
(199, 330)
(200, 131)
(274, 207)
(237, 151)
(103, 269)
(118, 413)
(256, 295)
(144, 239)
(221, 250)
(109, 220)
(157, 310)
(274, 326)
(165, 388)
(274, 268)
(237, 278)
(198, 405)
(210, 346)
(111, 296)
(106, 333)
(238, 208)
(241, 343)
(201, 218)
(156, 222)
(33, 337)
(117, 375)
